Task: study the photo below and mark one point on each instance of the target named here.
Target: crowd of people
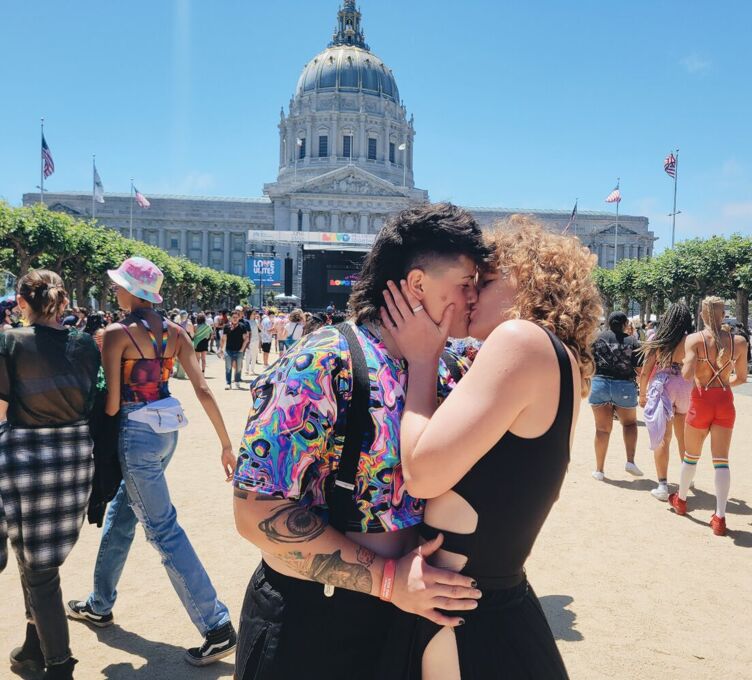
(413, 510)
(683, 380)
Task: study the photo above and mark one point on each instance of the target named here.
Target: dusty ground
(631, 590)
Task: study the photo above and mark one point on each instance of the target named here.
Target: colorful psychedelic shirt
(296, 429)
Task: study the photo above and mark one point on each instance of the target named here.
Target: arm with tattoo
(306, 544)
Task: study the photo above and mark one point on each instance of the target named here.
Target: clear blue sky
(516, 104)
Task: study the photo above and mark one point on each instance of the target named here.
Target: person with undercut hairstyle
(319, 486)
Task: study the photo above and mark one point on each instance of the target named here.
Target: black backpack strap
(450, 359)
(341, 488)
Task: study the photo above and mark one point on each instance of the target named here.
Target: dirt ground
(631, 590)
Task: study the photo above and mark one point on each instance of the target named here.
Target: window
(391, 152)
(216, 242)
(347, 146)
(174, 245)
(301, 147)
(372, 142)
(323, 146)
(195, 241)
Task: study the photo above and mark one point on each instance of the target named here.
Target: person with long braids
(492, 458)
(712, 357)
(48, 375)
(664, 392)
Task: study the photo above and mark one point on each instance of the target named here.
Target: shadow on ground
(632, 484)
(561, 619)
(163, 661)
(740, 537)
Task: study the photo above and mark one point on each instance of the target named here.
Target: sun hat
(140, 277)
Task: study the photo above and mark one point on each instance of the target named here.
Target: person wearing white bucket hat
(138, 367)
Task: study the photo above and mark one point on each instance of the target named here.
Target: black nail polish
(474, 584)
(462, 622)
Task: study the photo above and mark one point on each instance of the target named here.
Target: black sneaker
(82, 611)
(218, 644)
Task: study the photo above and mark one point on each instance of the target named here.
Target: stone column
(183, 242)
(139, 233)
(205, 247)
(309, 142)
(362, 151)
(334, 226)
(306, 220)
(162, 237)
(227, 250)
(293, 219)
(385, 145)
(334, 138)
(363, 223)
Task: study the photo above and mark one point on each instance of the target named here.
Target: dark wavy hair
(675, 324)
(413, 239)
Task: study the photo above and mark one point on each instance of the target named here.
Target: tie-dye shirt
(296, 429)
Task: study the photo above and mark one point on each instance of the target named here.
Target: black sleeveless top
(512, 489)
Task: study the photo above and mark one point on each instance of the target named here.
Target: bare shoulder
(740, 341)
(693, 339)
(517, 346)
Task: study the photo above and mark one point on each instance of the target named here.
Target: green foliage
(82, 252)
(688, 272)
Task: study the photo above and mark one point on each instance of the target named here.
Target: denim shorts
(621, 393)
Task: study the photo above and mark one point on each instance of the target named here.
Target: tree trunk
(647, 310)
(742, 307)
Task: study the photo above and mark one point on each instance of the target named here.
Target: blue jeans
(621, 393)
(237, 357)
(143, 496)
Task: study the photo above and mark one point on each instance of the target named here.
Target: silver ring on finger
(417, 309)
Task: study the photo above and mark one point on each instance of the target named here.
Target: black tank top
(512, 488)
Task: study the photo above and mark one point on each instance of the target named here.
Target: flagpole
(93, 185)
(130, 232)
(576, 201)
(673, 214)
(616, 231)
(41, 162)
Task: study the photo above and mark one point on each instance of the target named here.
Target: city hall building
(346, 149)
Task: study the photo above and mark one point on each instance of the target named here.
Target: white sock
(722, 486)
(687, 474)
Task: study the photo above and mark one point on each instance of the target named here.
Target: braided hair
(673, 327)
(712, 320)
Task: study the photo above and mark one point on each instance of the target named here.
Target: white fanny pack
(165, 415)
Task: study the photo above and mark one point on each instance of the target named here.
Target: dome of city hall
(348, 65)
(345, 68)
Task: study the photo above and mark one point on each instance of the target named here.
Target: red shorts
(711, 407)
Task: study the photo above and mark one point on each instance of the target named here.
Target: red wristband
(387, 580)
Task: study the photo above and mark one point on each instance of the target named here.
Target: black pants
(43, 601)
(289, 629)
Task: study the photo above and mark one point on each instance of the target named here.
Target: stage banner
(265, 271)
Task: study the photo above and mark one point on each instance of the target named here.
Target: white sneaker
(228, 387)
(660, 492)
(598, 476)
(632, 469)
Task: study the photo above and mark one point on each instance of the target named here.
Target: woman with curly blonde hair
(492, 458)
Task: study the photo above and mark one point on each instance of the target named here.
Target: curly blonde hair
(555, 288)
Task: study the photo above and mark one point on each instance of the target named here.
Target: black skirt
(507, 636)
(203, 345)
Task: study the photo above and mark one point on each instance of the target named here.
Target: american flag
(669, 165)
(49, 164)
(614, 196)
(141, 199)
(571, 219)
